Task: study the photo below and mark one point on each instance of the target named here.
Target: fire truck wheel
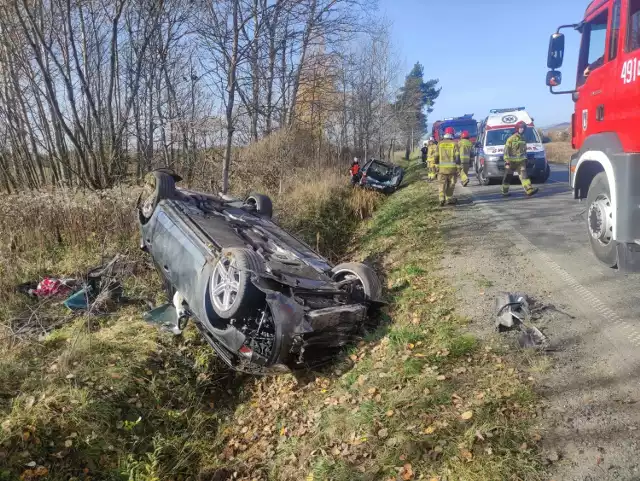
(600, 221)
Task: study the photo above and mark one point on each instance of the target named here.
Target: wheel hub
(225, 284)
(600, 220)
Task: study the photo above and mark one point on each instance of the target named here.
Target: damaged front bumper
(309, 337)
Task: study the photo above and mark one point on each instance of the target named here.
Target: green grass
(112, 398)
(401, 396)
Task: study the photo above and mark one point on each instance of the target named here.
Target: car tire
(369, 288)
(231, 291)
(263, 204)
(482, 180)
(599, 210)
(542, 179)
(158, 186)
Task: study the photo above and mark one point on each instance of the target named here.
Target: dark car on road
(381, 176)
(262, 298)
(489, 155)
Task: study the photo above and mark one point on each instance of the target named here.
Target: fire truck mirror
(556, 51)
(554, 78)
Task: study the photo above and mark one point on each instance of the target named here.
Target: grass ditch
(110, 397)
(419, 398)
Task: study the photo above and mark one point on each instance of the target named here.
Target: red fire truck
(605, 126)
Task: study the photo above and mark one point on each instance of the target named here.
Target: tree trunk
(231, 92)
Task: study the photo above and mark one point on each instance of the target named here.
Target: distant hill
(560, 126)
(559, 132)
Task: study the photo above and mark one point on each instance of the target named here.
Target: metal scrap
(513, 312)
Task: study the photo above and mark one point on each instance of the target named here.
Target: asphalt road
(554, 223)
(538, 245)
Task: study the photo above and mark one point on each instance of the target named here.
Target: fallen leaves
(466, 454)
(406, 472)
(383, 433)
(467, 415)
(38, 472)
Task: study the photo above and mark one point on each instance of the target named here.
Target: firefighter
(423, 152)
(432, 152)
(448, 164)
(466, 154)
(515, 159)
(354, 171)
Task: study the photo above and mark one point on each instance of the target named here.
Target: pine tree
(415, 101)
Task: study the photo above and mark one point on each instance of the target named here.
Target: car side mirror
(555, 56)
(554, 78)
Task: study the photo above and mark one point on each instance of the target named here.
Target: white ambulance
(492, 137)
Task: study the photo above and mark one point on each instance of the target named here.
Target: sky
(487, 53)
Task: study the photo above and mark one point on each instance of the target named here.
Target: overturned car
(262, 298)
(381, 176)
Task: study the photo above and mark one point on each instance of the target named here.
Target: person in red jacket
(354, 171)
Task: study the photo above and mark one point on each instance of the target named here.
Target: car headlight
(492, 158)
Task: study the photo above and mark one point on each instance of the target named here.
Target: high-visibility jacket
(432, 152)
(448, 156)
(516, 148)
(466, 150)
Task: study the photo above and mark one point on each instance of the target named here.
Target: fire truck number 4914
(630, 71)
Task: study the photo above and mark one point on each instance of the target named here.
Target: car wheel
(482, 180)
(599, 221)
(158, 186)
(547, 174)
(367, 287)
(232, 293)
(263, 204)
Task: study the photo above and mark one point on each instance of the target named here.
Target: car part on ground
(263, 299)
(512, 312)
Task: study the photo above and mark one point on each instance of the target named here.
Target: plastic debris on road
(513, 312)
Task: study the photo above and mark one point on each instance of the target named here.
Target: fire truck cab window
(633, 37)
(594, 36)
(615, 31)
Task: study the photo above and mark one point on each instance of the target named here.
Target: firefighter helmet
(449, 131)
(521, 125)
(465, 134)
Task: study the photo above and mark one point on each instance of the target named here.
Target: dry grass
(109, 397)
(559, 152)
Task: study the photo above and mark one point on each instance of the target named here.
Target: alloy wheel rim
(225, 284)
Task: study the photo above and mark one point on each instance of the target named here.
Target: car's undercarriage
(262, 298)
